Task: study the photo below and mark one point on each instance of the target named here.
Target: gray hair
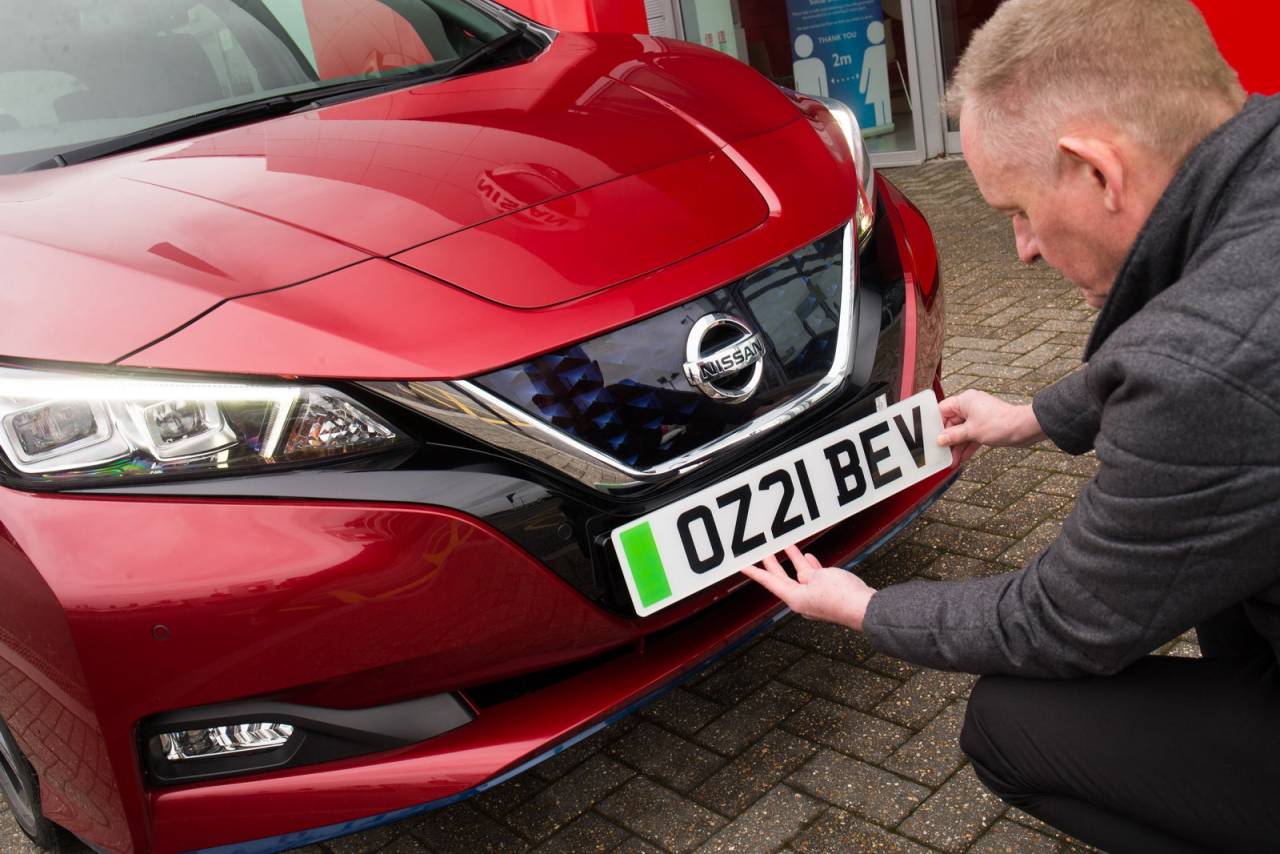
(1149, 68)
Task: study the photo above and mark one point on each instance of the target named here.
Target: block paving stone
(767, 823)
(956, 815)
(761, 767)
(1007, 837)
(663, 756)
(458, 828)
(847, 730)
(871, 792)
(683, 712)
(839, 831)
(747, 672)
(807, 740)
(922, 697)
(589, 833)
(844, 683)
(571, 795)
(739, 727)
(661, 816)
(933, 754)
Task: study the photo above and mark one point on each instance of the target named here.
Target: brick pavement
(807, 740)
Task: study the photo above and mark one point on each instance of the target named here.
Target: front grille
(625, 394)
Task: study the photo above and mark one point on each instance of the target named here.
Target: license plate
(691, 544)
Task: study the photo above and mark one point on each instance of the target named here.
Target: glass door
(955, 22)
(862, 52)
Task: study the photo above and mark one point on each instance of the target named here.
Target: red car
(392, 390)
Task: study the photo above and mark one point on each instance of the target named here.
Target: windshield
(74, 72)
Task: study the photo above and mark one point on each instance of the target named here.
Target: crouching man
(1123, 149)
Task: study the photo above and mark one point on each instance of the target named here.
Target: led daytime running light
(59, 427)
(75, 388)
(221, 740)
(848, 123)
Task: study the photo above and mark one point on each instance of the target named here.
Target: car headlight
(61, 427)
(848, 123)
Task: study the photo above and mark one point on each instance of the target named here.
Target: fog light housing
(255, 736)
(221, 740)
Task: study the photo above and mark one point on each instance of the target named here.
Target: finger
(774, 567)
(954, 406)
(802, 567)
(962, 453)
(805, 571)
(957, 435)
(813, 561)
(769, 581)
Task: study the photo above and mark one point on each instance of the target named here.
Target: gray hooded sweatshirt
(1181, 401)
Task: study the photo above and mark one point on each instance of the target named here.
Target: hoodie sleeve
(1181, 521)
(1067, 413)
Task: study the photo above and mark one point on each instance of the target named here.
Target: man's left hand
(818, 592)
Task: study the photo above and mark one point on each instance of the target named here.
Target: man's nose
(1028, 248)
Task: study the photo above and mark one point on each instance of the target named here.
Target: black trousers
(1169, 755)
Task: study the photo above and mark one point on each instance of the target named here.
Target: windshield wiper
(223, 117)
(278, 105)
(517, 33)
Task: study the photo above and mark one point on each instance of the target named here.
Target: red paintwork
(341, 601)
(649, 221)
(387, 173)
(106, 257)
(364, 603)
(499, 739)
(925, 313)
(97, 264)
(323, 591)
(377, 320)
(46, 701)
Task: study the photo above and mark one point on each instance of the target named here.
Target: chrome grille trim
(470, 409)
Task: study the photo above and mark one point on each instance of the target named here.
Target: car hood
(103, 258)
(96, 264)
(382, 319)
(387, 173)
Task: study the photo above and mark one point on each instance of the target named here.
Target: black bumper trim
(320, 734)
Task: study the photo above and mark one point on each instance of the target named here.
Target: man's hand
(974, 418)
(819, 592)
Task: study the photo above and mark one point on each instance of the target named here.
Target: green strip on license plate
(646, 564)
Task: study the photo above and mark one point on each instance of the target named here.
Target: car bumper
(119, 608)
(297, 593)
(500, 744)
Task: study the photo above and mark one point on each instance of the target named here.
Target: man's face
(1058, 219)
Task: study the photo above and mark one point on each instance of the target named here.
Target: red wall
(577, 16)
(1246, 34)
(1245, 31)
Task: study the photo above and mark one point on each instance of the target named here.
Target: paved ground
(807, 741)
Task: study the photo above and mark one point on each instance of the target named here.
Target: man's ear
(1100, 162)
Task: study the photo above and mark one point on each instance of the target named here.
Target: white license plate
(690, 544)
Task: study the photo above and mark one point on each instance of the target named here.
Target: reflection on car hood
(387, 173)
(155, 238)
(383, 320)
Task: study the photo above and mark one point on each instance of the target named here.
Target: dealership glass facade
(888, 59)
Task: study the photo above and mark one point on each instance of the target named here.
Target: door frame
(911, 20)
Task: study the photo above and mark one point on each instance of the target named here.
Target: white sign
(692, 543)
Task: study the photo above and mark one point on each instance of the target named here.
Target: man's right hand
(974, 418)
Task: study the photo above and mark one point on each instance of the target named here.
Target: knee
(992, 715)
(983, 719)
